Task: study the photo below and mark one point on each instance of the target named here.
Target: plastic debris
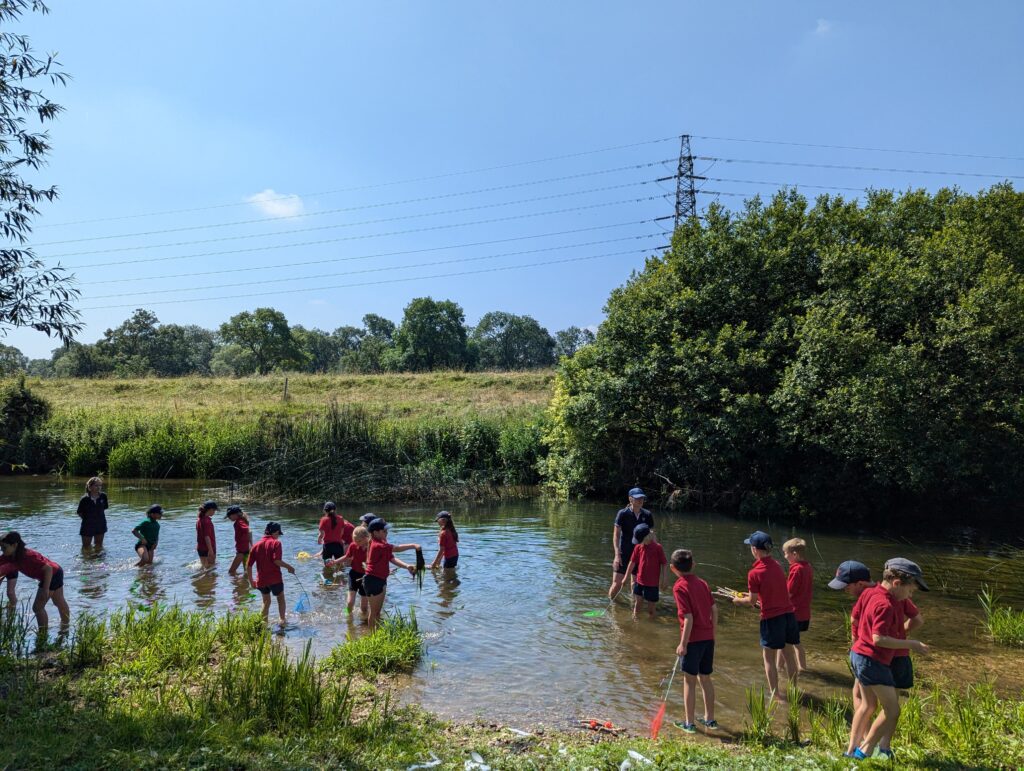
(476, 763)
(518, 732)
(639, 758)
(434, 761)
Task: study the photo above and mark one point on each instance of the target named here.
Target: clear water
(512, 641)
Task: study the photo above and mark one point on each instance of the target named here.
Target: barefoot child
(50, 575)
(800, 585)
(378, 557)
(243, 537)
(698, 620)
(877, 628)
(355, 556)
(265, 558)
(335, 533)
(779, 631)
(148, 533)
(854, 578)
(650, 561)
(206, 538)
(447, 545)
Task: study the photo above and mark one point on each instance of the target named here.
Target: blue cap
(377, 524)
(910, 568)
(232, 510)
(759, 540)
(640, 532)
(329, 506)
(849, 572)
(367, 518)
(636, 492)
(209, 505)
(156, 508)
(272, 528)
(443, 515)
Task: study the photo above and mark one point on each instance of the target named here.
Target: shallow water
(512, 641)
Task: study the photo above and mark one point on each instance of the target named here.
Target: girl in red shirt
(49, 574)
(800, 585)
(355, 556)
(447, 545)
(378, 557)
(206, 538)
(243, 537)
(335, 533)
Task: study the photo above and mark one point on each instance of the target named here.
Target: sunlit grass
(395, 646)
(1004, 624)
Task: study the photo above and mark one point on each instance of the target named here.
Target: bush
(20, 412)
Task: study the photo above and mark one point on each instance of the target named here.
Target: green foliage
(1003, 624)
(761, 712)
(21, 411)
(797, 359)
(396, 645)
(432, 336)
(266, 335)
(505, 341)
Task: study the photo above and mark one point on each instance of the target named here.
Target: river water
(512, 640)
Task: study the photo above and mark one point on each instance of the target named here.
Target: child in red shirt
(206, 538)
(335, 533)
(355, 556)
(779, 630)
(800, 585)
(243, 537)
(447, 545)
(378, 557)
(650, 561)
(698, 620)
(265, 558)
(18, 559)
(854, 578)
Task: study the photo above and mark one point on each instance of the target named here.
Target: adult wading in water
(622, 539)
(92, 509)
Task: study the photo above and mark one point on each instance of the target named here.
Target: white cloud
(274, 204)
(823, 27)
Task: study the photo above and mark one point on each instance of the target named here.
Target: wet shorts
(274, 589)
(146, 546)
(242, 553)
(202, 552)
(699, 658)
(870, 672)
(372, 586)
(355, 583)
(902, 672)
(803, 626)
(623, 561)
(10, 576)
(333, 551)
(779, 631)
(450, 562)
(56, 580)
(649, 593)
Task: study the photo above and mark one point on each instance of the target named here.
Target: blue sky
(250, 113)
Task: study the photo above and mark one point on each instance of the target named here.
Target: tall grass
(1003, 624)
(793, 712)
(761, 712)
(396, 645)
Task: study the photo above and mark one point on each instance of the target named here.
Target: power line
(370, 222)
(423, 199)
(278, 266)
(859, 168)
(862, 149)
(387, 267)
(249, 295)
(376, 185)
(786, 184)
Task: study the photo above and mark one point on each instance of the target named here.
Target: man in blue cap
(626, 521)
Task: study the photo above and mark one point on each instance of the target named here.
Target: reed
(1002, 623)
(793, 713)
(87, 644)
(761, 712)
(396, 645)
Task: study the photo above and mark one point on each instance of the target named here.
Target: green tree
(20, 411)
(131, 346)
(233, 360)
(266, 335)
(320, 350)
(78, 360)
(182, 350)
(570, 340)
(12, 361)
(505, 341)
(432, 336)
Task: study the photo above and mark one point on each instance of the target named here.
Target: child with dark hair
(206, 537)
(447, 544)
(243, 537)
(650, 561)
(265, 558)
(378, 557)
(50, 575)
(698, 621)
(335, 533)
(92, 509)
(355, 556)
(854, 578)
(148, 534)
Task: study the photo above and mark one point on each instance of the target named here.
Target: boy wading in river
(265, 557)
(698, 620)
(626, 521)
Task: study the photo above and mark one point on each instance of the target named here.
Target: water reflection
(204, 583)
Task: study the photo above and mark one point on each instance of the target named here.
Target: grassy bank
(172, 689)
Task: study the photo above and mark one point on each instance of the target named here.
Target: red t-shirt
(767, 579)
(377, 559)
(448, 545)
(241, 535)
(800, 585)
(880, 614)
(262, 556)
(204, 529)
(649, 558)
(357, 554)
(340, 532)
(32, 564)
(907, 609)
(693, 596)
(858, 607)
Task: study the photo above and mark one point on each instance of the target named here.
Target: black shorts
(242, 554)
(623, 561)
(202, 552)
(870, 672)
(56, 580)
(699, 658)
(803, 626)
(146, 546)
(649, 593)
(372, 586)
(779, 631)
(333, 551)
(450, 562)
(93, 527)
(902, 672)
(355, 582)
(274, 589)
(10, 576)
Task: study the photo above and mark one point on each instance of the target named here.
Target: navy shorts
(274, 589)
(333, 551)
(242, 554)
(202, 552)
(699, 658)
(623, 561)
(355, 582)
(146, 546)
(870, 672)
(372, 586)
(902, 672)
(10, 576)
(803, 626)
(450, 562)
(56, 580)
(649, 593)
(779, 631)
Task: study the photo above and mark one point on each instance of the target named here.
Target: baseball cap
(910, 568)
(377, 524)
(329, 506)
(759, 540)
(443, 515)
(367, 518)
(849, 572)
(636, 492)
(272, 528)
(232, 510)
(156, 508)
(209, 505)
(640, 532)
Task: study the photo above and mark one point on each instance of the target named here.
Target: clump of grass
(88, 642)
(396, 645)
(761, 712)
(793, 712)
(14, 632)
(1004, 624)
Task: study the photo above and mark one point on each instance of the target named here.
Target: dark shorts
(146, 546)
(902, 672)
(649, 593)
(623, 561)
(91, 527)
(699, 658)
(870, 672)
(779, 631)
(10, 576)
(56, 580)
(803, 626)
(372, 586)
(203, 552)
(355, 582)
(450, 562)
(333, 551)
(242, 553)
(274, 589)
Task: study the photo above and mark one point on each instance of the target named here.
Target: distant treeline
(432, 335)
